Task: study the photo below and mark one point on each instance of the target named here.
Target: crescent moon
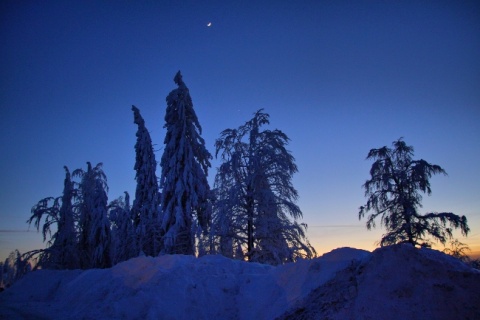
(209, 24)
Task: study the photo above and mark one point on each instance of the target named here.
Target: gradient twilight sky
(338, 77)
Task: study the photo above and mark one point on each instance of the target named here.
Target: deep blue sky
(338, 77)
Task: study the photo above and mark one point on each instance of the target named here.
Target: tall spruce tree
(185, 162)
(94, 226)
(66, 238)
(61, 251)
(255, 196)
(124, 238)
(146, 206)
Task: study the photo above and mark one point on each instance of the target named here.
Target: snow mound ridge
(343, 284)
(397, 282)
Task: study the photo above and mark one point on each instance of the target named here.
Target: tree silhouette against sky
(393, 192)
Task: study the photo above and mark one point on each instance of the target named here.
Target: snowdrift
(398, 282)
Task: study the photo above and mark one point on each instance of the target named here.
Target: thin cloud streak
(337, 226)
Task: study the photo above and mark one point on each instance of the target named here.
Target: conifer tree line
(249, 214)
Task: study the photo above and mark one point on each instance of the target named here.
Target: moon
(209, 24)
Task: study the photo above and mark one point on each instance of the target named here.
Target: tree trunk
(250, 229)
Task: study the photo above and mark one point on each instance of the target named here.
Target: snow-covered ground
(397, 282)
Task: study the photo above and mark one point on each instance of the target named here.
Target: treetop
(178, 79)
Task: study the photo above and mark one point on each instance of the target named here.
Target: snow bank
(417, 284)
(343, 284)
(396, 282)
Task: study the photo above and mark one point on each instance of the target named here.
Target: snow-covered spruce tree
(146, 206)
(185, 162)
(393, 193)
(124, 238)
(255, 196)
(66, 239)
(94, 227)
(61, 251)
